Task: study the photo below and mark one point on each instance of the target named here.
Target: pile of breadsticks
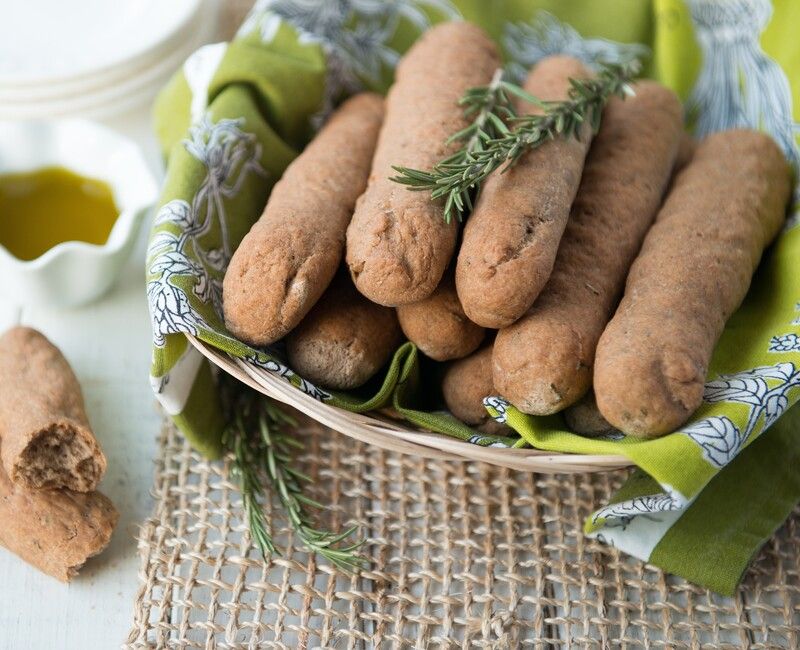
(610, 261)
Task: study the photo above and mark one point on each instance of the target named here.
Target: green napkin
(237, 113)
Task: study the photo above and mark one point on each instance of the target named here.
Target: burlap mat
(462, 555)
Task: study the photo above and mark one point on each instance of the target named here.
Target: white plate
(90, 98)
(50, 41)
(109, 77)
(86, 105)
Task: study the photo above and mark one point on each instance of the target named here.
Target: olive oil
(45, 207)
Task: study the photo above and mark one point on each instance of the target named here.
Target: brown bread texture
(692, 273)
(438, 325)
(290, 255)
(585, 418)
(398, 245)
(544, 361)
(46, 438)
(344, 340)
(55, 531)
(511, 239)
(686, 149)
(464, 385)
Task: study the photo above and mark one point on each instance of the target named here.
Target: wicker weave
(395, 435)
(371, 428)
(462, 555)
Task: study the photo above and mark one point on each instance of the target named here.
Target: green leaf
(258, 437)
(497, 137)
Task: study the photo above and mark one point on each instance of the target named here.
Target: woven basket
(382, 431)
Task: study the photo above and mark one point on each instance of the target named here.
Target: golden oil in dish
(45, 207)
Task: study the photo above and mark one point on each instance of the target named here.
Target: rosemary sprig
(258, 437)
(497, 136)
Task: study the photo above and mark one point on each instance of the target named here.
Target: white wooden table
(108, 345)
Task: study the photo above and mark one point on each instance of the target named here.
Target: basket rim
(390, 435)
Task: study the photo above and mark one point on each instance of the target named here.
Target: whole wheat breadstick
(685, 154)
(543, 362)
(686, 149)
(398, 244)
(464, 385)
(46, 438)
(511, 239)
(344, 340)
(585, 418)
(289, 257)
(54, 530)
(438, 325)
(693, 271)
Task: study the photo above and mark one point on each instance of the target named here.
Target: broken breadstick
(46, 438)
(55, 531)
(693, 271)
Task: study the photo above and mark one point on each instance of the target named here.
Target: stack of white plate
(94, 58)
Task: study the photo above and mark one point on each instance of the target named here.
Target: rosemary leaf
(259, 438)
(497, 137)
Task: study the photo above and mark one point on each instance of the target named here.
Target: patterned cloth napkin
(237, 113)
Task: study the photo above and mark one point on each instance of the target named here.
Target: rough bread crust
(344, 340)
(398, 245)
(55, 531)
(585, 418)
(289, 257)
(544, 361)
(692, 273)
(438, 325)
(464, 385)
(47, 442)
(686, 149)
(511, 239)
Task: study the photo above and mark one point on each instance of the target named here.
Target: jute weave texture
(462, 555)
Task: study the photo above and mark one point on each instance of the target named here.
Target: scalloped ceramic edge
(74, 273)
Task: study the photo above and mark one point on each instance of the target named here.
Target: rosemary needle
(497, 136)
(259, 439)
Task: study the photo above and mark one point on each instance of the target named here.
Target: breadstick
(543, 362)
(46, 438)
(686, 149)
(398, 245)
(54, 530)
(289, 257)
(511, 239)
(693, 271)
(438, 325)
(464, 385)
(585, 418)
(344, 340)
